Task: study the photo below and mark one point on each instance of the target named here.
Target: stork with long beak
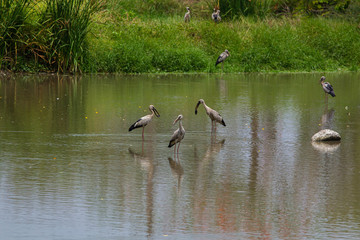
(224, 55)
(187, 15)
(213, 115)
(142, 122)
(178, 135)
(216, 16)
(327, 87)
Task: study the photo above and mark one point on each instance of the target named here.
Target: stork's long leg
(143, 133)
(178, 148)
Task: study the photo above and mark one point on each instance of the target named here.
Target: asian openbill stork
(178, 135)
(213, 115)
(216, 16)
(142, 122)
(224, 55)
(187, 15)
(327, 87)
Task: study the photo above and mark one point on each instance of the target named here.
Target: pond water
(70, 169)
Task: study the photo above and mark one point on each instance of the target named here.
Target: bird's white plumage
(222, 57)
(178, 134)
(327, 87)
(187, 15)
(216, 16)
(213, 115)
(143, 121)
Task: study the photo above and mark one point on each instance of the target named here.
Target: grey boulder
(326, 135)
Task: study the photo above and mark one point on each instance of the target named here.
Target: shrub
(67, 24)
(13, 14)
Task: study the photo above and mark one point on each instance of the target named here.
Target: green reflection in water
(69, 167)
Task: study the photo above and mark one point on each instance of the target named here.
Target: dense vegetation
(150, 36)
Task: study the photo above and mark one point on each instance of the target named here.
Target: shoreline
(11, 73)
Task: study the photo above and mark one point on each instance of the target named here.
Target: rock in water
(326, 135)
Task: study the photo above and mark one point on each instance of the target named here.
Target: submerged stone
(326, 135)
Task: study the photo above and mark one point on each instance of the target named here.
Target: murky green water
(69, 168)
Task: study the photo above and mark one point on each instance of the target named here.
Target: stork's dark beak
(177, 119)
(197, 105)
(156, 112)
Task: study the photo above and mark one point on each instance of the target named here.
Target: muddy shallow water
(69, 168)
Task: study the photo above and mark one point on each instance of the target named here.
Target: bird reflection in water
(215, 146)
(177, 171)
(211, 152)
(327, 118)
(145, 160)
(141, 158)
(147, 165)
(326, 122)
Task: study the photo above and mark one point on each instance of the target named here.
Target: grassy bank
(169, 45)
(137, 36)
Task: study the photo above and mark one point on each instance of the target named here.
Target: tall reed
(13, 14)
(67, 24)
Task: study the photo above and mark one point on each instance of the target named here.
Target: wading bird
(216, 16)
(224, 55)
(178, 135)
(142, 122)
(187, 15)
(327, 87)
(213, 115)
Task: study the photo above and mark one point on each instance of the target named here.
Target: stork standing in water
(224, 55)
(213, 115)
(178, 135)
(187, 15)
(216, 16)
(327, 87)
(142, 122)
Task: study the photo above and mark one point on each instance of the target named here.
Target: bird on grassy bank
(327, 87)
(213, 115)
(142, 122)
(216, 16)
(224, 55)
(187, 15)
(178, 135)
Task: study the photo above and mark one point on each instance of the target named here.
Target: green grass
(150, 36)
(67, 23)
(169, 45)
(13, 16)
